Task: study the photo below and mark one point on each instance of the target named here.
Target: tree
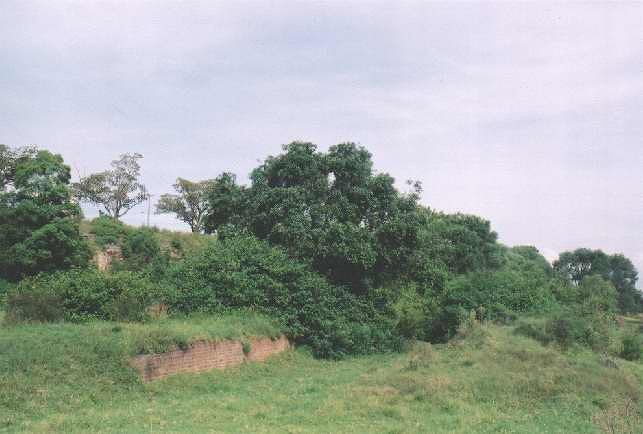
(10, 159)
(463, 242)
(624, 276)
(616, 269)
(117, 190)
(190, 204)
(581, 263)
(327, 209)
(39, 222)
(226, 203)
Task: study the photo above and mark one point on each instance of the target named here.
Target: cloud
(529, 114)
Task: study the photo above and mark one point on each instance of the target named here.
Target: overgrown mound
(320, 241)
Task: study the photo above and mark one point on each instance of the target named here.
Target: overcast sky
(530, 115)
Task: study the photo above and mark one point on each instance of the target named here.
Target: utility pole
(149, 207)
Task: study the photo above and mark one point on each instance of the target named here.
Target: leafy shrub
(140, 248)
(82, 295)
(107, 230)
(521, 284)
(240, 271)
(568, 327)
(632, 347)
(34, 306)
(508, 289)
(246, 347)
(566, 331)
(464, 243)
(596, 294)
(54, 246)
(410, 313)
(501, 314)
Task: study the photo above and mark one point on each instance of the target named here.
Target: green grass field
(75, 378)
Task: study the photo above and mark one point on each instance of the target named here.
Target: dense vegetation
(322, 248)
(39, 222)
(318, 240)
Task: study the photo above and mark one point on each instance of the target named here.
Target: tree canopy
(617, 269)
(116, 190)
(10, 158)
(328, 209)
(190, 205)
(38, 219)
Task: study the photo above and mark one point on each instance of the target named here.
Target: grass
(65, 367)
(494, 380)
(190, 242)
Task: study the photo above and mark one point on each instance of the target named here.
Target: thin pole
(149, 206)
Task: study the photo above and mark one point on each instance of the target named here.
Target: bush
(534, 331)
(591, 331)
(54, 246)
(410, 313)
(80, 295)
(34, 306)
(500, 314)
(522, 284)
(596, 294)
(240, 271)
(508, 289)
(565, 331)
(107, 230)
(568, 327)
(631, 347)
(141, 248)
(586, 318)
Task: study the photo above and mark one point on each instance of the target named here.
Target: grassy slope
(191, 242)
(51, 368)
(500, 382)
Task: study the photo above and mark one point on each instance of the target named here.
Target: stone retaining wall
(206, 355)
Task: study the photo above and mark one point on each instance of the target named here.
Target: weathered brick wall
(105, 258)
(205, 355)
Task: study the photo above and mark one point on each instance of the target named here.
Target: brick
(206, 355)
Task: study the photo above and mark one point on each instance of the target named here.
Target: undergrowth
(74, 378)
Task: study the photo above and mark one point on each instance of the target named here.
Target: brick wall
(206, 355)
(106, 257)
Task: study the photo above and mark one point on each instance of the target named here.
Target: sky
(528, 114)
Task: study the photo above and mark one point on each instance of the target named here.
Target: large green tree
(617, 269)
(226, 203)
(329, 209)
(39, 222)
